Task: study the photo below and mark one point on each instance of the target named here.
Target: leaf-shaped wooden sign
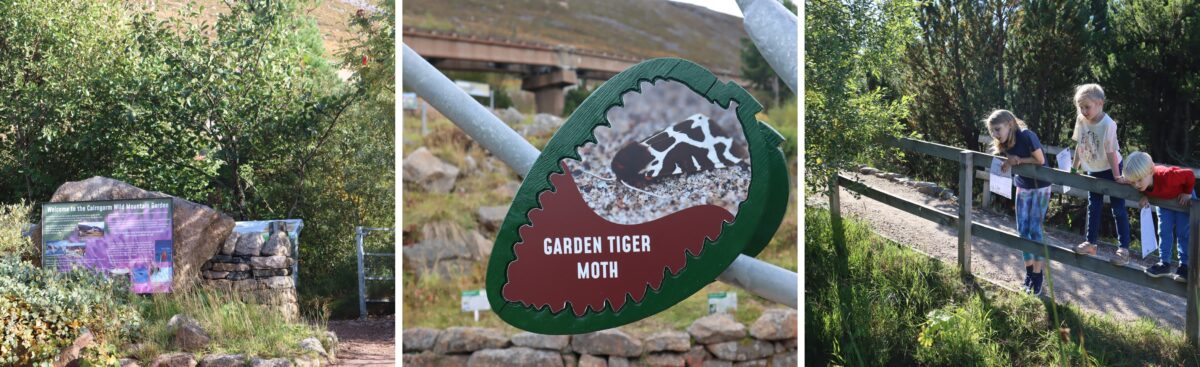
(651, 188)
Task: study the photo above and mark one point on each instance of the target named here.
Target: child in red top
(1166, 183)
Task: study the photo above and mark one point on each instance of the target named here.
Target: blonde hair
(1004, 117)
(1090, 91)
(1137, 166)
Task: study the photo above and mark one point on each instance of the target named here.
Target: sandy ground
(1090, 291)
(370, 342)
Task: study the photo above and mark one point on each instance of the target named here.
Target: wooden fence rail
(969, 160)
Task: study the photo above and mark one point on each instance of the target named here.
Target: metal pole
(362, 283)
(516, 152)
(773, 30)
(1193, 286)
(469, 115)
(966, 176)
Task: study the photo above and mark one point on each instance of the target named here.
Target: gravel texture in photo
(657, 107)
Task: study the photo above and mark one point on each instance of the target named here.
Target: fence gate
(376, 271)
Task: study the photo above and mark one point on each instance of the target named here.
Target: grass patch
(236, 327)
(903, 308)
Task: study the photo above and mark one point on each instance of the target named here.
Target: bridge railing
(968, 161)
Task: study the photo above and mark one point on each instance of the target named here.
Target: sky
(724, 6)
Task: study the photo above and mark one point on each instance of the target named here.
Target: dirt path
(1090, 291)
(365, 343)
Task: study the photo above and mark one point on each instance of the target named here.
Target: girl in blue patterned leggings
(1021, 146)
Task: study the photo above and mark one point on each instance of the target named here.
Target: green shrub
(959, 335)
(14, 218)
(42, 311)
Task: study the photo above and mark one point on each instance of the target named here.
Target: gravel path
(365, 343)
(1002, 265)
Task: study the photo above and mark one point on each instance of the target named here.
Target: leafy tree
(1047, 56)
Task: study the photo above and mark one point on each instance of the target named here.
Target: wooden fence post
(986, 203)
(835, 202)
(1193, 285)
(966, 176)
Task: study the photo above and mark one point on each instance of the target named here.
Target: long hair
(998, 117)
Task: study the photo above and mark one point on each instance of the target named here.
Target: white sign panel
(474, 88)
(1149, 241)
(722, 302)
(1000, 183)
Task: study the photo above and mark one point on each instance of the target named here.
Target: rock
(510, 116)
(469, 165)
(279, 245)
(426, 358)
(223, 360)
(454, 360)
(696, 356)
(419, 339)
(198, 230)
(881, 174)
(314, 345)
(867, 170)
(230, 243)
(717, 363)
(787, 359)
(249, 244)
(663, 360)
(238, 275)
(754, 363)
(276, 362)
(227, 267)
(188, 335)
(615, 361)
(307, 362)
(588, 360)
(277, 282)
(270, 262)
(128, 362)
(775, 324)
(569, 360)
(445, 249)
(674, 341)
(70, 354)
(547, 122)
(230, 259)
(946, 195)
(491, 217)
(716, 328)
(931, 191)
(431, 173)
(742, 350)
(539, 341)
(507, 190)
(469, 339)
(178, 359)
(611, 342)
(263, 273)
(516, 356)
(215, 274)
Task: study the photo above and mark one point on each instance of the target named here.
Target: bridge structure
(546, 70)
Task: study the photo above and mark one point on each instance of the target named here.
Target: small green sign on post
(475, 301)
(652, 187)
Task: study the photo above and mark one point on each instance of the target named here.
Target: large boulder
(542, 124)
(541, 341)
(423, 168)
(188, 335)
(279, 245)
(419, 339)
(671, 341)
(742, 351)
(223, 360)
(445, 249)
(177, 359)
(198, 230)
(492, 217)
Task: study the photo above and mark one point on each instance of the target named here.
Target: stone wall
(715, 340)
(257, 266)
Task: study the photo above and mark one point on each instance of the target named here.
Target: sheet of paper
(1064, 163)
(1149, 241)
(1000, 183)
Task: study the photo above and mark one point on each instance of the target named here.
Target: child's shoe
(1086, 248)
(1181, 273)
(1121, 258)
(1028, 278)
(1035, 285)
(1159, 270)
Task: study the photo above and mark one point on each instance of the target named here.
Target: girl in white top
(1099, 154)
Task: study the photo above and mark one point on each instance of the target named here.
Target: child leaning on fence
(1167, 183)
(1099, 154)
(1010, 138)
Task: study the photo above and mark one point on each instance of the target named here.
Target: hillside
(332, 16)
(641, 28)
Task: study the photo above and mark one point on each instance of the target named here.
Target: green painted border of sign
(757, 219)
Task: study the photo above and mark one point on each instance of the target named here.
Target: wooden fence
(967, 229)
